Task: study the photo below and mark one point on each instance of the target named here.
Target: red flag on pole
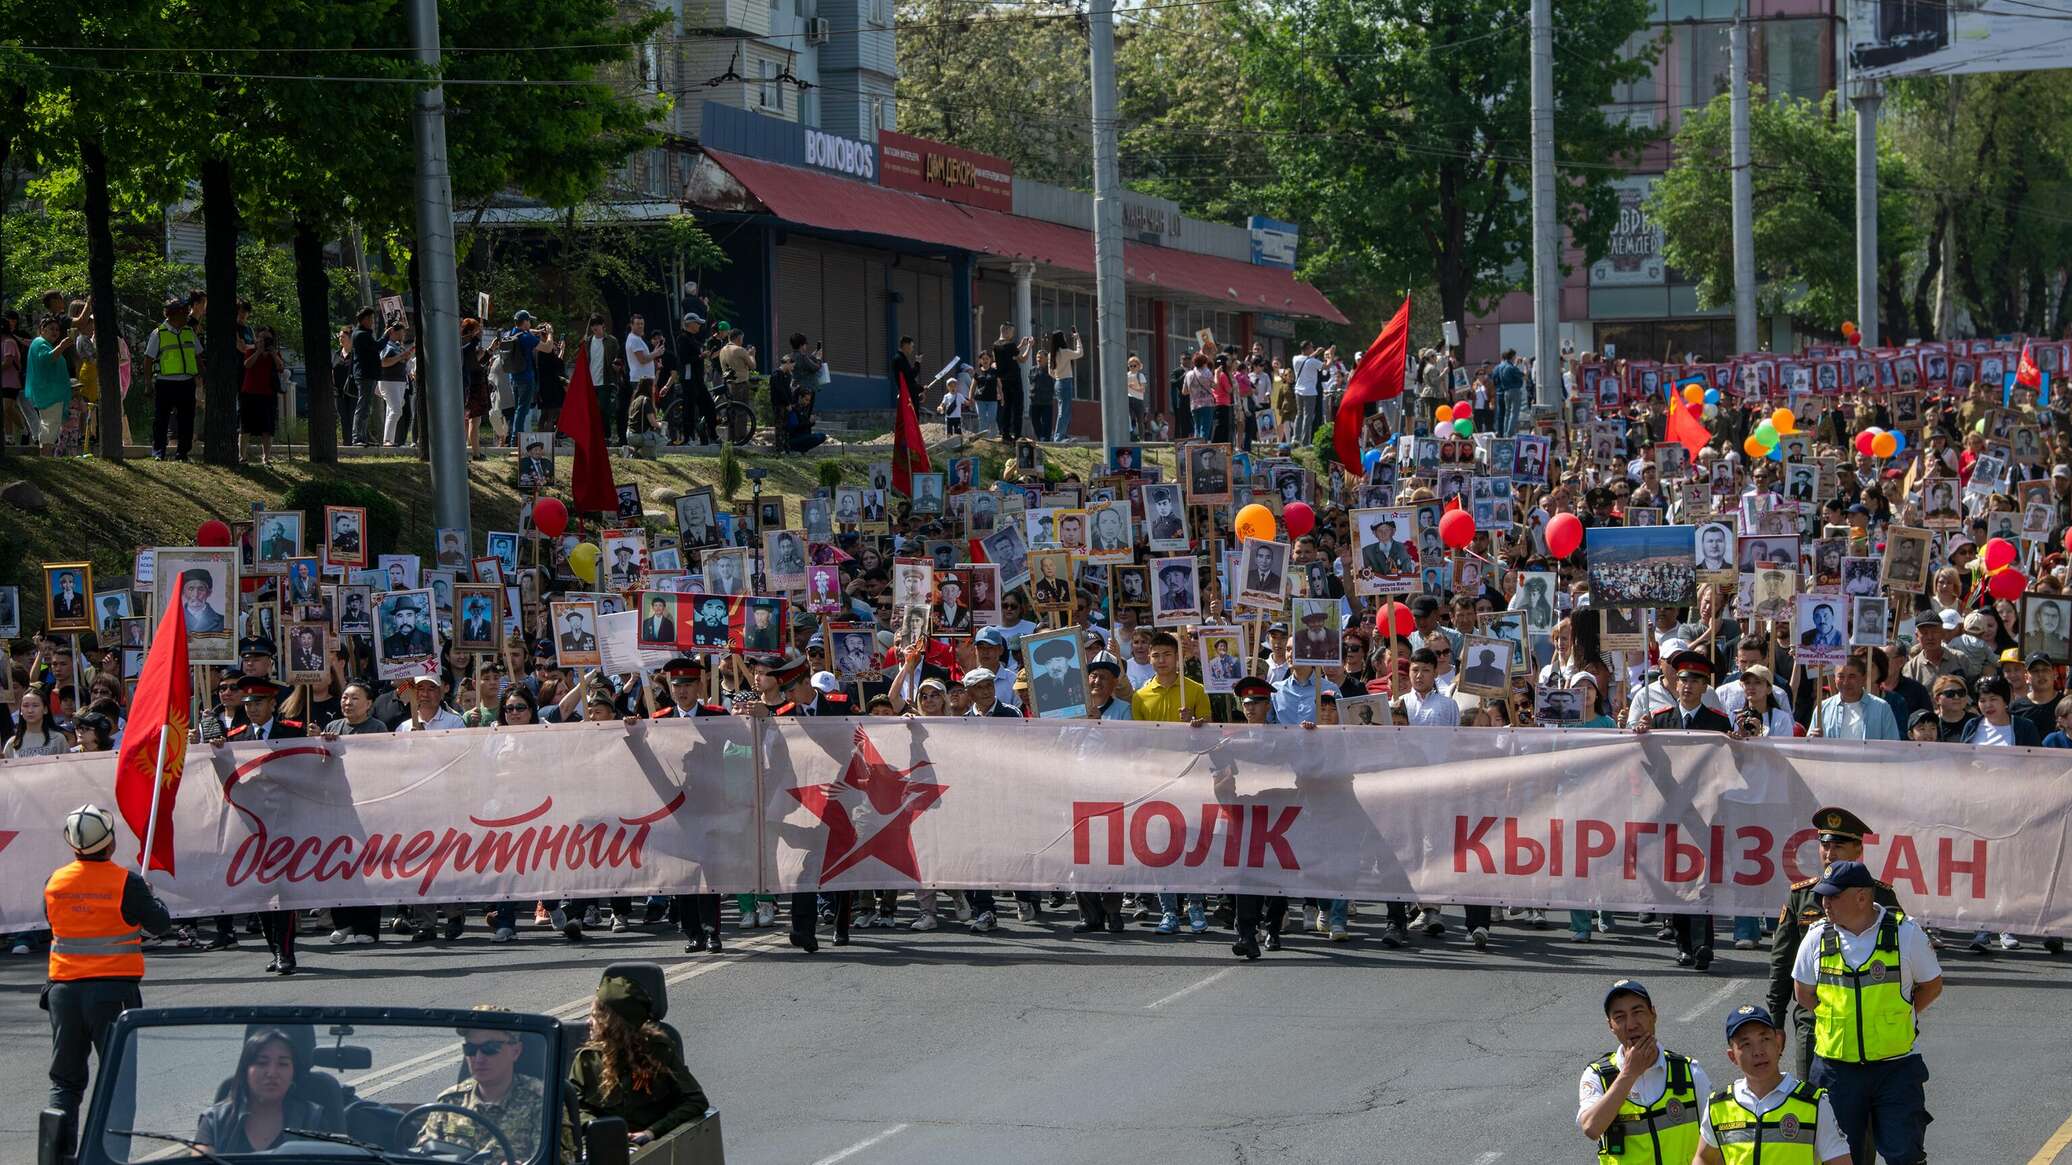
(1379, 377)
(1684, 428)
(582, 421)
(154, 744)
(909, 454)
(2026, 373)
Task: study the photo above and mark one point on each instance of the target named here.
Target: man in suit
(658, 627)
(624, 572)
(66, 602)
(345, 537)
(276, 546)
(111, 618)
(1691, 675)
(476, 625)
(950, 612)
(575, 633)
(1385, 555)
(535, 468)
(762, 634)
(1823, 633)
(1166, 525)
(262, 698)
(405, 636)
(1266, 572)
(1484, 673)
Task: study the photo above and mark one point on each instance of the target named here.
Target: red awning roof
(840, 204)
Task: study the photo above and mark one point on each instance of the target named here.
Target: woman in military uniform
(632, 1067)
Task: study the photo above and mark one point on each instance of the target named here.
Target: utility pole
(1546, 225)
(1866, 98)
(439, 347)
(1743, 156)
(1109, 301)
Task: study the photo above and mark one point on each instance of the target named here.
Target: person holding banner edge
(1692, 679)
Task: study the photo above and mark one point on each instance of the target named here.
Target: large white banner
(1894, 38)
(1970, 837)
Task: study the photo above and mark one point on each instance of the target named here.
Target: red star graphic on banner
(878, 824)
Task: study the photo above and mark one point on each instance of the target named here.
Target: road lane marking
(1190, 989)
(1711, 1001)
(404, 1071)
(2056, 1145)
(1489, 1158)
(860, 1146)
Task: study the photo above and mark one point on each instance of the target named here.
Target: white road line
(1711, 1001)
(1489, 1158)
(404, 1071)
(860, 1146)
(1190, 989)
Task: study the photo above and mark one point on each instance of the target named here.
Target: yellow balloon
(1255, 521)
(583, 561)
(1784, 421)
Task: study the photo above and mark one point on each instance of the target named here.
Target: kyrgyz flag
(165, 693)
(582, 421)
(2026, 373)
(1379, 377)
(909, 455)
(1683, 426)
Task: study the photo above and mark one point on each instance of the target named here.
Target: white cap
(825, 681)
(978, 675)
(1951, 620)
(1672, 646)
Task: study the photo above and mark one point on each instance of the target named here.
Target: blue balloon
(1899, 442)
(1777, 451)
(1370, 459)
(1712, 396)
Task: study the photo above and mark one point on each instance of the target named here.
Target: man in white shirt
(640, 360)
(1308, 372)
(1866, 994)
(1628, 1096)
(428, 709)
(1424, 704)
(1748, 1113)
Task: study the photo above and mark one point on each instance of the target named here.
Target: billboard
(1895, 38)
(1273, 241)
(945, 171)
(1634, 256)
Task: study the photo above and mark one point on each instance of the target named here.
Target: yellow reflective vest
(1862, 1016)
(1666, 1131)
(179, 352)
(1783, 1136)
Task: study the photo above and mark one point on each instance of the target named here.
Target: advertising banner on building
(1634, 256)
(1676, 822)
(906, 162)
(1896, 38)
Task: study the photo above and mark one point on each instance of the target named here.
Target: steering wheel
(502, 1142)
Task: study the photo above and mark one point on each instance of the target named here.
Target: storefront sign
(1158, 220)
(842, 155)
(945, 171)
(772, 139)
(1273, 241)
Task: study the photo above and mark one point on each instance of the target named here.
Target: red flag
(582, 421)
(909, 455)
(1684, 428)
(165, 693)
(1379, 377)
(2026, 373)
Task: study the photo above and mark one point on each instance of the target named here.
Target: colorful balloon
(1753, 447)
(1564, 535)
(583, 561)
(1443, 414)
(1776, 453)
(1693, 394)
(2007, 584)
(1464, 426)
(1899, 442)
(1999, 554)
(1370, 459)
(1784, 421)
(1254, 521)
(1394, 617)
(213, 532)
(1712, 396)
(550, 517)
(1457, 529)
(1298, 518)
(1767, 434)
(1884, 445)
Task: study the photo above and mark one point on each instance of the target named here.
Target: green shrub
(830, 473)
(730, 475)
(1321, 445)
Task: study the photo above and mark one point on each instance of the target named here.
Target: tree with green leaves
(1397, 132)
(1176, 68)
(1012, 82)
(1803, 171)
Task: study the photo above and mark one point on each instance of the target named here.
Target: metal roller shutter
(847, 296)
(799, 306)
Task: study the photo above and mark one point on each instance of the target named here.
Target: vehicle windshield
(255, 1090)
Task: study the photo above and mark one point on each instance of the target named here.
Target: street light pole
(439, 347)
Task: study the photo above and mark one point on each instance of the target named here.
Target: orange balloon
(1754, 448)
(1784, 421)
(1255, 521)
(1693, 394)
(1884, 445)
(1443, 414)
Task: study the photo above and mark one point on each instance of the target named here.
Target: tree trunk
(1893, 291)
(225, 365)
(313, 303)
(1924, 306)
(100, 277)
(11, 114)
(418, 412)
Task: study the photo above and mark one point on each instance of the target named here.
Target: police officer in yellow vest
(1769, 1116)
(1865, 974)
(98, 913)
(1841, 840)
(1640, 1103)
(172, 359)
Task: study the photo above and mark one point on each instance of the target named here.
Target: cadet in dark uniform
(1841, 840)
(696, 914)
(794, 676)
(99, 913)
(262, 698)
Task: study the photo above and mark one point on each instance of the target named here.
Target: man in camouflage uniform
(496, 1089)
(1841, 840)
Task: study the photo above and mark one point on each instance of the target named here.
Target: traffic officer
(99, 913)
(1841, 840)
(793, 676)
(697, 915)
(261, 701)
(1865, 973)
(1738, 1126)
(1640, 1103)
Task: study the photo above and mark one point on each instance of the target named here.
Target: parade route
(1035, 1045)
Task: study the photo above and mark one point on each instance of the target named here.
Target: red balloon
(1298, 518)
(1395, 615)
(1999, 554)
(213, 532)
(2068, 540)
(1864, 439)
(2007, 584)
(1564, 535)
(1457, 529)
(550, 517)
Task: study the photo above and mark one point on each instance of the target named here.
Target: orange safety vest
(89, 938)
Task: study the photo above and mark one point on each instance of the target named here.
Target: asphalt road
(1033, 1045)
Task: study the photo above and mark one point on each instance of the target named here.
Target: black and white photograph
(697, 520)
(1369, 711)
(10, 612)
(855, 653)
(277, 537)
(574, 629)
(913, 629)
(951, 610)
(110, 609)
(1536, 599)
(928, 494)
(401, 571)
(1008, 549)
(1906, 558)
(725, 571)
(624, 558)
(1775, 588)
(784, 560)
(1208, 473)
(815, 516)
(1714, 551)
(1484, 667)
(355, 610)
(1618, 628)
(1860, 576)
(1050, 581)
(1057, 673)
(345, 536)
(1131, 587)
(1165, 518)
(2046, 627)
(1175, 591)
(1939, 504)
(477, 623)
(1314, 641)
(1557, 706)
(1109, 539)
(1263, 575)
(1870, 621)
(1758, 551)
(450, 548)
(535, 461)
(406, 641)
(913, 582)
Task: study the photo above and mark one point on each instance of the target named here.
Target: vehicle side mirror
(348, 1057)
(604, 1141)
(54, 1134)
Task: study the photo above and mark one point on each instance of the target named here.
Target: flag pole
(157, 790)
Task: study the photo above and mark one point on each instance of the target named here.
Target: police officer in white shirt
(1767, 1106)
(1643, 1098)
